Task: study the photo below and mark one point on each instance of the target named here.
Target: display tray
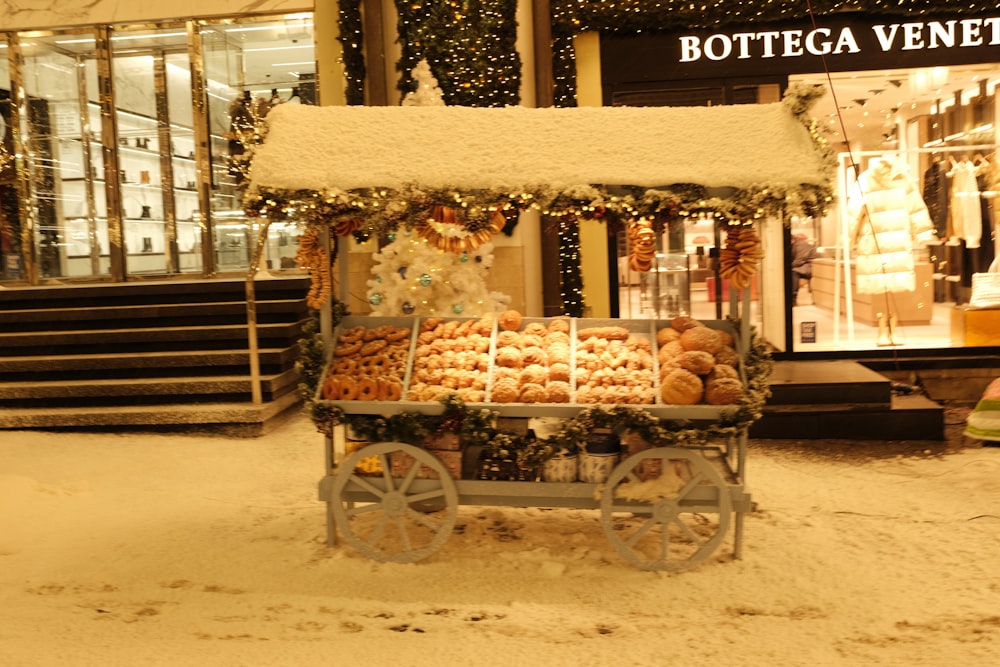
(426, 357)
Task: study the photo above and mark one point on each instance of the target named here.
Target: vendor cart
(661, 507)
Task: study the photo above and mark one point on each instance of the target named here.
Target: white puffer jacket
(888, 219)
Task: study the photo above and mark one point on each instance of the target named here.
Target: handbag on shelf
(986, 287)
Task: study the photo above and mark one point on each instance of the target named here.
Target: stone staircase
(148, 355)
(842, 399)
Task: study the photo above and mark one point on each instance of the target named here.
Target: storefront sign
(878, 39)
(835, 43)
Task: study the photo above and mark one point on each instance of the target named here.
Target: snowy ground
(190, 550)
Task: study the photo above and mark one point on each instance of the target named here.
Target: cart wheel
(665, 508)
(395, 524)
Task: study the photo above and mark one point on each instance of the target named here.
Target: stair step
(912, 417)
(148, 315)
(837, 382)
(234, 419)
(164, 360)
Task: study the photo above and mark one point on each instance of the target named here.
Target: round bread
(667, 334)
(670, 350)
(724, 391)
(506, 338)
(509, 357)
(696, 361)
(681, 387)
(559, 372)
(727, 355)
(560, 325)
(532, 393)
(684, 322)
(509, 320)
(700, 338)
(557, 392)
(535, 328)
(725, 337)
(534, 355)
(534, 374)
(505, 391)
(722, 371)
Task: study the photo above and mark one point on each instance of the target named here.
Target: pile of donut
(613, 365)
(533, 362)
(369, 364)
(452, 356)
(642, 246)
(697, 364)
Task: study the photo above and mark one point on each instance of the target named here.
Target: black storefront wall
(698, 67)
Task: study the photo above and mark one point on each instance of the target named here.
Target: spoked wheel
(386, 518)
(665, 509)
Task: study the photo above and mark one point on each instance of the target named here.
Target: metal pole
(255, 382)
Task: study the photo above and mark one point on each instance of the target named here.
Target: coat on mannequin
(888, 220)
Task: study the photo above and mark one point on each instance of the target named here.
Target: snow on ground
(147, 549)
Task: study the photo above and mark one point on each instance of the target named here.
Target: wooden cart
(661, 507)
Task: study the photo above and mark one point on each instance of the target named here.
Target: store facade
(918, 93)
(124, 137)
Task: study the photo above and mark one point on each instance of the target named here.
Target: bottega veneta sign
(880, 38)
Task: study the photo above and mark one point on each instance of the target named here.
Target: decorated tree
(413, 277)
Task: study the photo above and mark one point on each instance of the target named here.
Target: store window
(135, 144)
(917, 150)
(10, 260)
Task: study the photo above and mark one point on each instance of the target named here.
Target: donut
(701, 338)
(724, 391)
(352, 335)
(373, 347)
(348, 389)
(681, 387)
(367, 389)
(397, 334)
(348, 349)
(331, 388)
(510, 320)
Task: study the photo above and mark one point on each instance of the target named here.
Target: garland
(477, 426)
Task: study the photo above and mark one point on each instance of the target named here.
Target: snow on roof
(518, 148)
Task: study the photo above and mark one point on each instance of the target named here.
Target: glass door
(156, 158)
(63, 155)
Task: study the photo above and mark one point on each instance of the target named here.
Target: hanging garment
(888, 219)
(936, 196)
(966, 212)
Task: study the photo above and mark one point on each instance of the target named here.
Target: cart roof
(350, 147)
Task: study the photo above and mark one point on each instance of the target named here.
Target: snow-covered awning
(517, 148)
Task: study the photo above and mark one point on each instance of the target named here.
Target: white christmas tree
(413, 277)
(427, 94)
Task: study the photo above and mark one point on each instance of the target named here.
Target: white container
(596, 468)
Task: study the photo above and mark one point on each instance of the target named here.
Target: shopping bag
(986, 287)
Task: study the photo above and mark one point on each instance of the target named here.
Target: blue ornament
(375, 299)
(425, 280)
(464, 258)
(391, 237)
(378, 279)
(408, 308)
(402, 272)
(457, 308)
